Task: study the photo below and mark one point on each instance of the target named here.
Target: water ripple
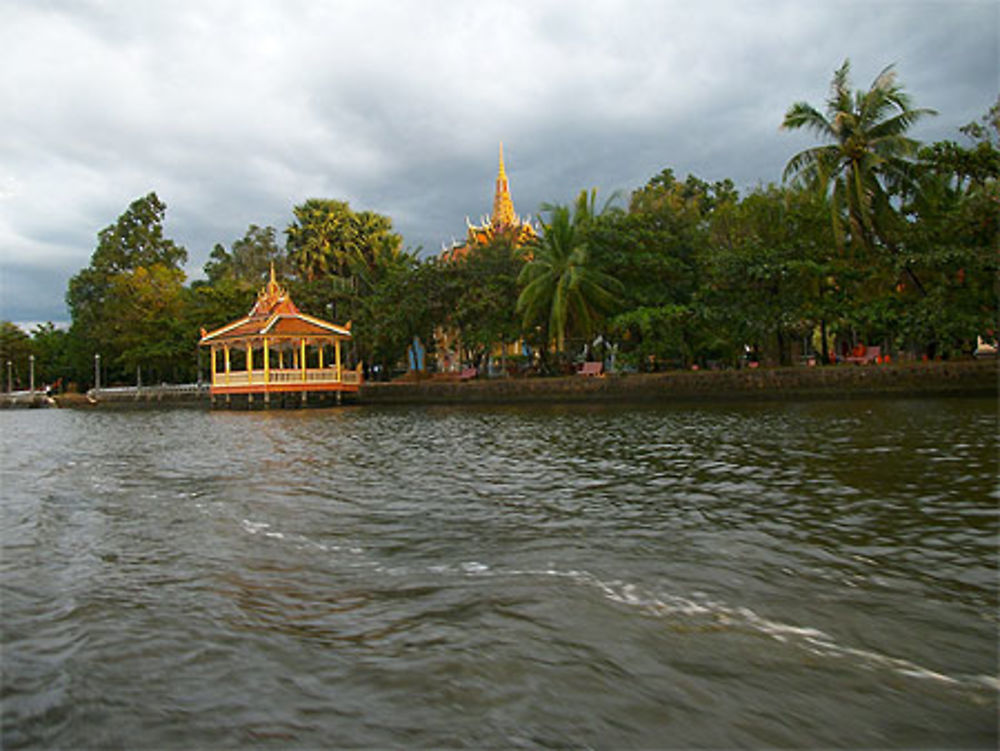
(780, 575)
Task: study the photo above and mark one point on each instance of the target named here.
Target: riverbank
(26, 400)
(841, 382)
(959, 378)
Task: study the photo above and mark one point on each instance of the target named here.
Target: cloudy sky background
(235, 112)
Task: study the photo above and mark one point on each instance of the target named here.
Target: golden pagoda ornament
(503, 222)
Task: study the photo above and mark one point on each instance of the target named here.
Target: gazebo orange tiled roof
(289, 347)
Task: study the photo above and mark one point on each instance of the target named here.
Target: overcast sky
(235, 112)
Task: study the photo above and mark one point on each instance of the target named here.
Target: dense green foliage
(129, 304)
(873, 239)
(563, 290)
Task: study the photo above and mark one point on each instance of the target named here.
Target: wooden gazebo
(280, 350)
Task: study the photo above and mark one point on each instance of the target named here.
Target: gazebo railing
(287, 376)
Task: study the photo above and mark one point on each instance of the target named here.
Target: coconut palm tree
(560, 285)
(868, 155)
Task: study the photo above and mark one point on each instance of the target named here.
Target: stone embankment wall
(844, 381)
(840, 382)
(153, 396)
(26, 401)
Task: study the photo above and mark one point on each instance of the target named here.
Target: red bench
(591, 369)
(863, 355)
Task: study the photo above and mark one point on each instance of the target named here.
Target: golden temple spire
(503, 206)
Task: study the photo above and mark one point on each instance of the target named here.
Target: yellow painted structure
(275, 325)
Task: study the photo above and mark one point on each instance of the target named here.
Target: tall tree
(249, 260)
(951, 240)
(233, 277)
(137, 239)
(319, 236)
(765, 269)
(133, 261)
(561, 288)
(867, 156)
(654, 252)
(484, 295)
(52, 353)
(397, 303)
(15, 348)
(328, 238)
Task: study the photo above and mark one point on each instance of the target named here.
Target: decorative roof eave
(342, 331)
(247, 328)
(221, 332)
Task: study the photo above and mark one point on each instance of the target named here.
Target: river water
(785, 575)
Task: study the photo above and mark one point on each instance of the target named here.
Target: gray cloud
(234, 112)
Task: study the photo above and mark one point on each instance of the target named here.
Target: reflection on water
(803, 575)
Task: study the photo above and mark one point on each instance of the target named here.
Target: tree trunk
(783, 357)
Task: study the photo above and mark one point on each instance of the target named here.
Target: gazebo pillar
(249, 373)
(305, 373)
(336, 349)
(267, 373)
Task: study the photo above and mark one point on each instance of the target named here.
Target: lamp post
(31, 374)
(10, 381)
(97, 372)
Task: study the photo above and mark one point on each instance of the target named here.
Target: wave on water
(702, 612)
(716, 614)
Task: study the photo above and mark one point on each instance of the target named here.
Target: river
(800, 575)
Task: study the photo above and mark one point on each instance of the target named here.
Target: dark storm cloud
(234, 112)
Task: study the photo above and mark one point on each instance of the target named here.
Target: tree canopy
(871, 238)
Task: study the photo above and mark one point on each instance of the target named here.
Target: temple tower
(503, 206)
(503, 222)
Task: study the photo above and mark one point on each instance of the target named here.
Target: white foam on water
(254, 527)
(300, 541)
(816, 641)
(990, 681)
(667, 605)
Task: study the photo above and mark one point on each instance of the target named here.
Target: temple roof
(503, 222)
(274, 314)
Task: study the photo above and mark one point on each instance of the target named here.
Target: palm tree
(868, 155)
(560, 284)
(322, 238)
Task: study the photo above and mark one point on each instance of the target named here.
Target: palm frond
(804, 115)
(899, 124)
(805, 166)
(886, 79)
(839, 99)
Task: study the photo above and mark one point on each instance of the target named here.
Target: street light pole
(97, 372)
(31, 376)
(10, 381)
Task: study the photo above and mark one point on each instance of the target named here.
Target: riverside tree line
(871, 238)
